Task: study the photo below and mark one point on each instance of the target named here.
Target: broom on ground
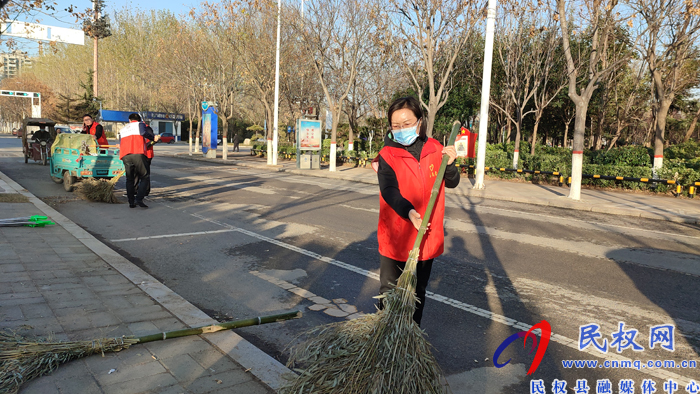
(22, 360)
(381, 353)
(99, 190)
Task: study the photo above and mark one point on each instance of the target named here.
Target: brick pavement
(53, 284)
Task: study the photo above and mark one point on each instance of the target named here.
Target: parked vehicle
(37, 149)
(78, 156)
(167, 138)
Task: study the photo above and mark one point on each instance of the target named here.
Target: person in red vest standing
(94, 128)
(407, 167)
(132, 150)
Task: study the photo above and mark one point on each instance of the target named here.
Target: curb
(268, 370)
(569, 204)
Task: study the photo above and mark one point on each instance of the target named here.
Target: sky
(63, 19)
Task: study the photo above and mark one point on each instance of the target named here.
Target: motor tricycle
(37, 136)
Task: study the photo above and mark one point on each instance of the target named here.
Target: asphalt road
(223, 237)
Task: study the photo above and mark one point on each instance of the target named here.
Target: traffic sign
(15, 93)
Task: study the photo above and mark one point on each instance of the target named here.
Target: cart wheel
(68, 181)
(26, 159)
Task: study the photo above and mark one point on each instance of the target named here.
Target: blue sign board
(210, 127)
(123, 116)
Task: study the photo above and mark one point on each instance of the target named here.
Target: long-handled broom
(385, 352)
(22, 360)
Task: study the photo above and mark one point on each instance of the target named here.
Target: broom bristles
(22, 360)
(384, 352)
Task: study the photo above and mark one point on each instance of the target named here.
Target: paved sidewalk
(660, 207)
(63, 282)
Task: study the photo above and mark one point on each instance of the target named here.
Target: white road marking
(172, 235)
(658, 373)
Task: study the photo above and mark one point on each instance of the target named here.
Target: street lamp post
(485, 94)
(277, 87)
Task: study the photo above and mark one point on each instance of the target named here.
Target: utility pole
(95, 53)
(98, 28)
(485, 95)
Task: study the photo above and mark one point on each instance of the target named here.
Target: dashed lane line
(172, 235)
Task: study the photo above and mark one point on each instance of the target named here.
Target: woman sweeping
(407, 167)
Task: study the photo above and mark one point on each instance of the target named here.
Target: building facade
(12, 63)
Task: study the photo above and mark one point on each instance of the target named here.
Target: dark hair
(88, 115)
(413, 104)
(135, 117)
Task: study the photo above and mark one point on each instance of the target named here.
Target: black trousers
(148, 171)
(389, 272)
(235, 147)
(137, 177)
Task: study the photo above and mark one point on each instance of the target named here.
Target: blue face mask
(405, 136)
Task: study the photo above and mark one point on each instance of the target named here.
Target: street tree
(669, 32)
(336, 35)
(598, 19)
(428, 35)
(525, 52)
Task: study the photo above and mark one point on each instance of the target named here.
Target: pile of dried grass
(381, 353)
(100, 190)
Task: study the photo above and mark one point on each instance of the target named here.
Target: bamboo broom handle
(219, 327)
(436, 188)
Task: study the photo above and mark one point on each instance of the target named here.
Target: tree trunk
(534, 136)
(432, 111)
(691, 129)
(518, 127)
(661, 115)
(268, 132)
(351, 137)
(189, 131)
(199, 128)
(224, 150)
(577, 154)
(334, 133)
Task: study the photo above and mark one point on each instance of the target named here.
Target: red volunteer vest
(149, 149)
(396, 235)
(102, 140)
(131, 142)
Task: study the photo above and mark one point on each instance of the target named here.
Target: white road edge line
(171, 235)
(657, 373)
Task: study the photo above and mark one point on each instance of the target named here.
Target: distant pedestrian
(132, 150)
(406, 168)
(94, 128)
(235, 143)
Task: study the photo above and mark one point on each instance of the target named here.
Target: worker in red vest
(94, 128)
(132, 150)
(407, 167)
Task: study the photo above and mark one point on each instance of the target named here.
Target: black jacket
(389, 185)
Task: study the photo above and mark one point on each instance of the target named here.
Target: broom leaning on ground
(381, 353)
(22, 360)
(99, 190)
